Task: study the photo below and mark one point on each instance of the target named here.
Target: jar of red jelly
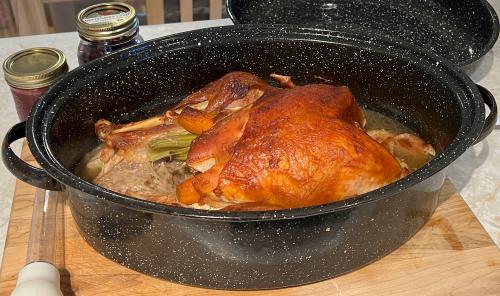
(29, 74)
(104, 28)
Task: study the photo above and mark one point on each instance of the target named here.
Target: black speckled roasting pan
(251, 250)
(459, 30)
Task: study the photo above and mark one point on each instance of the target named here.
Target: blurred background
(31, 17)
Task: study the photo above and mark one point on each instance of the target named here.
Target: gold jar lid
(34, 67)
(105, 21)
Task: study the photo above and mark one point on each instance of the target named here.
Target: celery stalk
(171, 142)
(171, 146)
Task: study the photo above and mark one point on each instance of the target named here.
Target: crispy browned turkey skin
(294, 148)
(260, 147)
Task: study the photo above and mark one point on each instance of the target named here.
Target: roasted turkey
(249, 145)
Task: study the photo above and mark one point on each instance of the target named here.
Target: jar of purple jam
(104, 28)
(30, 73)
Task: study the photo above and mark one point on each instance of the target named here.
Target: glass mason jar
(104, 28)
(30, 73)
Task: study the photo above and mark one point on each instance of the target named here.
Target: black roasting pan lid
(459, 30)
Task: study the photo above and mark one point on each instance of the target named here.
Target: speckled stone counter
(475, 174)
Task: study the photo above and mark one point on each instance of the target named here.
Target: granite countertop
(474, 174)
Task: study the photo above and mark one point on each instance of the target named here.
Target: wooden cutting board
(451, 255)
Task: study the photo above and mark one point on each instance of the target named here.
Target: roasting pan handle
(490, 121)
(21, 169)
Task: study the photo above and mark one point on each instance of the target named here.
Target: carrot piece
(195, 121)
(186, 193)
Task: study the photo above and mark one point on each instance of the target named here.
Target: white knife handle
(38, 279)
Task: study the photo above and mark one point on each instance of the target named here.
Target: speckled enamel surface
(252, 255)
(460, 30)
(68, 44)
(261, 249)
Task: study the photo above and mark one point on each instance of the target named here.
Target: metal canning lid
(34, 67)
(105, 21)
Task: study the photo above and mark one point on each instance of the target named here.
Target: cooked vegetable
(172, 147)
